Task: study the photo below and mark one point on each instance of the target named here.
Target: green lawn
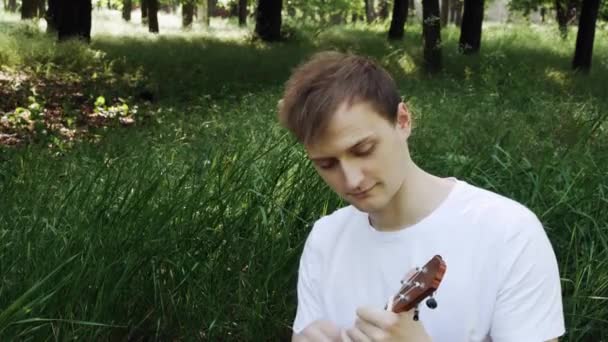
(189, 223)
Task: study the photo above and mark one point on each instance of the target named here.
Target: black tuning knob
(431, 303)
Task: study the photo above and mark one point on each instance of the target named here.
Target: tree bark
(431, 31)
(470, 30)
(127, 7)
(211, 5)
(398, 20)
(203, 13)
(586, 35)
(28, 9)
(565, 12)
(383, 9)
(51, 17)
(242, 13)
(187, 14)
(268, 20)
(153, 16)
(70, 18)
(456, 12)
(40, 8)
(445, 4)
(145, 4)
(370, 14)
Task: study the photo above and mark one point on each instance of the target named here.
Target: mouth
(362, 193)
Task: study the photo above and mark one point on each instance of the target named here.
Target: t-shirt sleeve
(309, 306)
(529, 300)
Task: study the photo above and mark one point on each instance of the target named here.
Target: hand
(374, 325)
(321, 331)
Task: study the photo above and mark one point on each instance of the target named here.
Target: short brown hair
(320, 85)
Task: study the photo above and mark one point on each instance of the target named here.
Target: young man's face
(362, 156)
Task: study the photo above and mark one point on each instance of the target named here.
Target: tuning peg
(431, 303)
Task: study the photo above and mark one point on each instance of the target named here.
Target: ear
(404, 120)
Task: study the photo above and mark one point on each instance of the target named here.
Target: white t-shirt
(501, 284)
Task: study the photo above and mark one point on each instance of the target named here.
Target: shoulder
(493, 208)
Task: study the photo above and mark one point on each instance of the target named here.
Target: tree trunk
(145, 4)
(153, 16)
(243, 13)
(127, 7)
(445, 4)
(431, 31)
(268, 20)
(40, 8)
(383, 9)
(370, 15)
(28, 9)
(12, 5)
(203, 13)
(565, 12)
(187, 14)
(470, 30)
(586, 35)
(398, 20)
(211, 5)
(412, 6)
(51, 17)
(71, 18)
(456, 12)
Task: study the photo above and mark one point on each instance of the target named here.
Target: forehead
(347, 127)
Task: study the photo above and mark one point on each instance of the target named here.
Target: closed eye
(366, 152)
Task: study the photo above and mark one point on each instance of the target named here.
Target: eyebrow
(363, 141)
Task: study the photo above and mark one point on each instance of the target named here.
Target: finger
(379, 318)
(357, 335)
(344, 337)
(329, 330)
(371, 331)
(314, 335)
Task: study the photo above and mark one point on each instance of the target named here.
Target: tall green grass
(191, 228)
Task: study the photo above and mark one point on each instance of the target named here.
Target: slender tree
(28, 9)
(203, 12)
(12, 6)
(470, 30)
(145, 4)
(153, 16)
(70, 19)
(383, 9)
(431, 31)
(242, 13)
(565, 13)
(445, 4)
(187, 14)
(586, 35)
(398, 20)
(40, 8)
(127, 7)
(370, 14)
(456, 12)
(268, 20)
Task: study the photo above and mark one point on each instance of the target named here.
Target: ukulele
(421, 284)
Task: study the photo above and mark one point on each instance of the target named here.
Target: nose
(353, 177)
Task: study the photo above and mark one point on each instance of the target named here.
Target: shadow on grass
(190, 67)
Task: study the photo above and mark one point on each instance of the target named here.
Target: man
(502, 281)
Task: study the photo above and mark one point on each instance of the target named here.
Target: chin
(368, 205)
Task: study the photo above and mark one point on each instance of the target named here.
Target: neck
(419, 195)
